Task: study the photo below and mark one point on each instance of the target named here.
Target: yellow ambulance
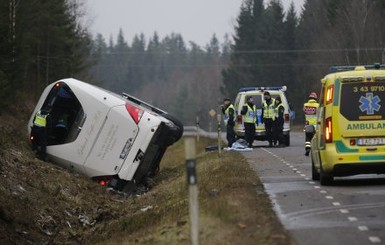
(350, 132)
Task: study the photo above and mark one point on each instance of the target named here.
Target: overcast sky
(195, 20)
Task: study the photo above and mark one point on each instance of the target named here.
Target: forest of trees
(276, 48)
(270, 47)
(183, 80)
(43, 41)
(40, 42)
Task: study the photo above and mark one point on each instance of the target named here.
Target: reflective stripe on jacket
(276, 110)
(269, 110)
(310, 110)
(40, 119)
(227, 113)
(250, 116)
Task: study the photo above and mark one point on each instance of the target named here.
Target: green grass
(35, 195)
(231, 212)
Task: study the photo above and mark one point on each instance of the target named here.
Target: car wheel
(178, 134)
(325, 179)
(287, 139)
(314, 173)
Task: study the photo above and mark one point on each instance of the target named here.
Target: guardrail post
(190, 150)
(197, 124)
(219, 119)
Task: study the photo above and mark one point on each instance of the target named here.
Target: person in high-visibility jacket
(268, 115)
(228, 111)
(278, 122)
(249, 112)
(310, 110)
(60, 130)
(39, 132)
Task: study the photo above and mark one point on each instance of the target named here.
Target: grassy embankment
(43, 203)
(233, 206)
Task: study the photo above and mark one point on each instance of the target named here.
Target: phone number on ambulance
(369, 89)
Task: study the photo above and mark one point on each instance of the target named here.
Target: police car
(350, 134)
(257, 94)
(117, 140)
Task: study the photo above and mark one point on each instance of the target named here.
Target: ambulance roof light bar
(282, 88)
(376, 66)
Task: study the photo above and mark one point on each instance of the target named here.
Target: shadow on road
(366, 180)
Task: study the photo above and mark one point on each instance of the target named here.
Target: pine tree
(118, 67)
(99, 58)
(213, 50)
(273, 36)
(153, 60)
(196, 56)
(244, 69)
(41, 41)
(226, 47)
(136, 66)
(290, 56)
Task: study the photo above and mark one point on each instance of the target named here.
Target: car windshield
(363, 101)
(66, 116)
(258, 100)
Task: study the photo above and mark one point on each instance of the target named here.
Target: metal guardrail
(192, 131)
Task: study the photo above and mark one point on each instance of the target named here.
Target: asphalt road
(352, 211)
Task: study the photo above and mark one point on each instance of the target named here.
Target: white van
(257, 94)
(114, 139)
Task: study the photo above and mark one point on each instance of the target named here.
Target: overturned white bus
(117, 140)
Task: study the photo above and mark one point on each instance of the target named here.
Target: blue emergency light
(376, 66)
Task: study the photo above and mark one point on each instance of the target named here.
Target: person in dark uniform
(268, 115)
(249, 112)
(39, 132)
(278, 123)
(229, 119)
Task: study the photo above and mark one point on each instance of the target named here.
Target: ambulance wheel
(314, 173)
(325, 179)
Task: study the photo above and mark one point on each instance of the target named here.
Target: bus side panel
(113, 143)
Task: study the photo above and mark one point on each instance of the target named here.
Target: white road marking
(363, 228)
(374, 239)
(352, 219)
